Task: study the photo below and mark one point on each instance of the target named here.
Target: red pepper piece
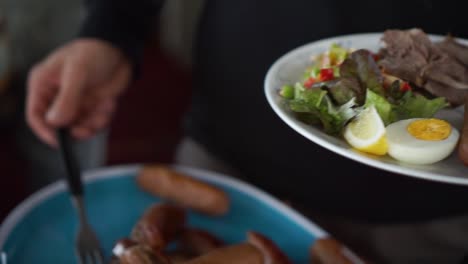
(326, 74)
(309, 82)
(375, 57)
(405, 87)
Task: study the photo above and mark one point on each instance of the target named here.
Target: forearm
(125, 24)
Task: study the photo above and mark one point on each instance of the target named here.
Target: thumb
(463, 148)
(67, 103)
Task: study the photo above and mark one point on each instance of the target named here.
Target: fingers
(67, 103)
(95, 119)
(61, 86)
(119, 81)
(41, 91)
(99, 110)
(463, 148)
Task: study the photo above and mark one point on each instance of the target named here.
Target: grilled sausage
(142, 254)
(271, 252)
(166, 183)
(122, 245)
(330, 251)
(197, 242)
(244, 253)
(159, 225)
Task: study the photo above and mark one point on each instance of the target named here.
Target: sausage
(121, 245)
(142, 254)
(166, 183)
(193, 243)
(159, 225)
(244, 253)
(178, 257)
(114, 260)
(196, 242)
(330, 251)
(271, 252)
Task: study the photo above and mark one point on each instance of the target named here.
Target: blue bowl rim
(21, 210)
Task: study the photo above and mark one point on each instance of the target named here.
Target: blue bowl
(42, 228)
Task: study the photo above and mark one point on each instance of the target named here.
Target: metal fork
(87, 247)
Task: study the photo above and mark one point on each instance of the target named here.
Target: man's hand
(463, 148)
(76, 86)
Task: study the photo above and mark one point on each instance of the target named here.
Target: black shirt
(236, 43)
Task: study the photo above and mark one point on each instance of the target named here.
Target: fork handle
(71, 164)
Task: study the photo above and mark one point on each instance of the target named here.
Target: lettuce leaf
(345, 88)
(337, 54)
(409, 106)
(361, 65)
(315, 106)
(417, 106)
(383, 107)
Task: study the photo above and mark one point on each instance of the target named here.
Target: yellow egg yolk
(430, 129)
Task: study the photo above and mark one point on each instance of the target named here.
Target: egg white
(404, 147)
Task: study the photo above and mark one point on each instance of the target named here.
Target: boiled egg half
(420, 140)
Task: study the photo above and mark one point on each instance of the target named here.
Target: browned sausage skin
(178, 257)
(197, 242)
(330, 251)
(159, 225)
(193, 243)
(271, 252)
(121, 245)
(167, 183)
(142, 254)
(244, 253)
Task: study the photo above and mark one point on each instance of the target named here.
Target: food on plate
(270, 251)
(330, 251)
(367, 132)
(258, 249)
(421, 141)
(243, 253)
(191, 245)
(159, 225)
(356, 94)
(454, 49)
(166, 183)
(196, 242)
(410, 55)
(122, 245)
(142, 254)
(163, 236)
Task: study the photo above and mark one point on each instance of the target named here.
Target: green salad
(340, 83)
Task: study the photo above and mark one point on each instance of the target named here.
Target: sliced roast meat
(405, 54)
(454, 96)
(446, 70)
(411, 56)
(455, 49)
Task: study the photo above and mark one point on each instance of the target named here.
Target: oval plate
(42, 228)
(290, 67)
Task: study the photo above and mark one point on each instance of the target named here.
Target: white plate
(289, 68)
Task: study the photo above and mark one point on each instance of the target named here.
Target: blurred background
(29, 30)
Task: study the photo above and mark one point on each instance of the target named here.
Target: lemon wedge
(366, 132)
